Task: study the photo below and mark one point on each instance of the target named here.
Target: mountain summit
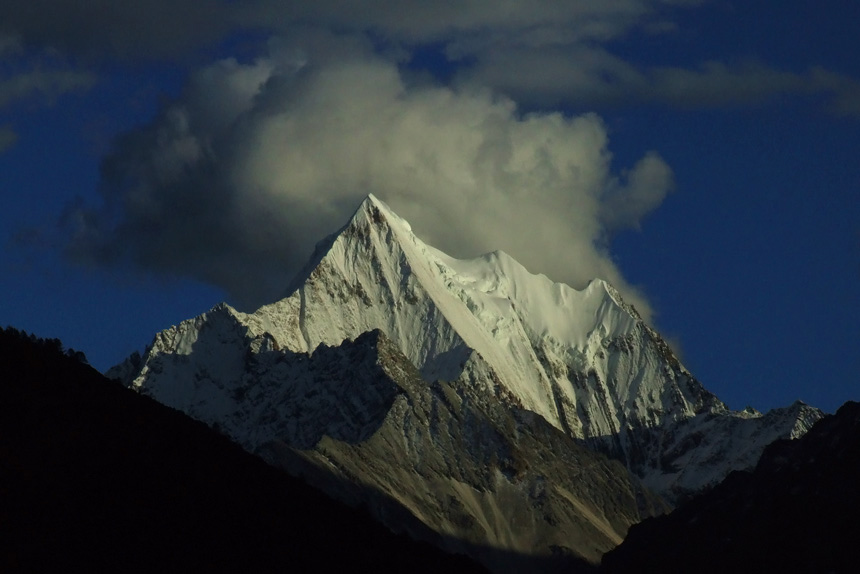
(465, 390)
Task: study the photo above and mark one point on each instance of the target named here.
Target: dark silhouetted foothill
(796, 512)
(94, 477)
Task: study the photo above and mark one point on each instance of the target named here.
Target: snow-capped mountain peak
(583, 360)
(375, 273)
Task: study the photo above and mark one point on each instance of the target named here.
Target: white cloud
(9, 44)
(845, 91)
(46, 83)
(173, 28)
(43, 75)
(8, 137)
(485, 21)
(589, 76)
(540, 52)
(234, 183)
(41, 78)
(644, 189)
(105, 28)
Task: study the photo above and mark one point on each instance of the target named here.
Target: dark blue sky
(748, 254)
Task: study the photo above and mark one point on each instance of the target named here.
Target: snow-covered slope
(584, 361)
(488, 479)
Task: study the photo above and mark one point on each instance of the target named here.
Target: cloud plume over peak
(235, 181)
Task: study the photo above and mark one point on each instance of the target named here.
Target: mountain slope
(358, 419)
(583, 360)
(476, 471)
(796, 512)
(96, 478)
(479, 350)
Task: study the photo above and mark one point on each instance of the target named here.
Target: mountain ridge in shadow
(93, 475)
(796, 512)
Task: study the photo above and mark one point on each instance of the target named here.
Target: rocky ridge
(795, 512)
(487, 341)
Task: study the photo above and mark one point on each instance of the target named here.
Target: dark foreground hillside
(95, 477)
(799, 511)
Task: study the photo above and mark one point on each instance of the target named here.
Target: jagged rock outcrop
(511, 350)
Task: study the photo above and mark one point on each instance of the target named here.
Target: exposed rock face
(480, 474)
(796, 512)
(94, 478)
(498, 368)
